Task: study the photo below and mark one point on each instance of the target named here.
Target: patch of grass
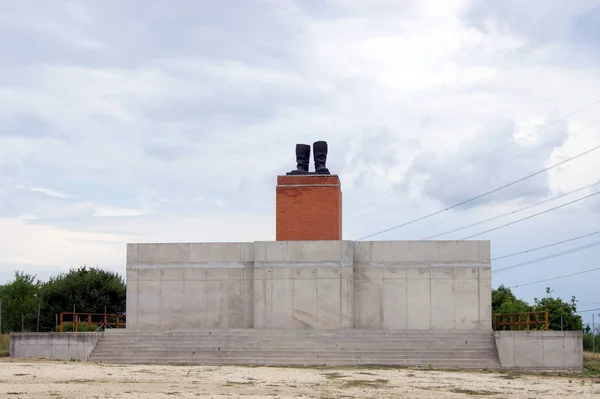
(365, 383)
(237, 383)
(593, 356)
(510, 376)
(4, 345)
(592, 366)
(474, 393)
(334, 376)
(366, 373)
(76, 381)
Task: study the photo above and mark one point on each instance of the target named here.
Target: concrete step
(284, 333)
(300, 344)
(365, 346)
(464, 349)
(454, 364)
(266, 351)
(383, 347)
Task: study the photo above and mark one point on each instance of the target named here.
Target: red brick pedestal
(309, 208)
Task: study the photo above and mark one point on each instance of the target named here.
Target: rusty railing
(521, 321)
(98, 320)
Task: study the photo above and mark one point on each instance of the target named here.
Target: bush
(587, 342)
(4, 344)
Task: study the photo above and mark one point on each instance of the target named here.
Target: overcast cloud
(145, 121)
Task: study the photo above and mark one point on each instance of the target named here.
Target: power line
(484, 194)
(547, 246)
(475, 159)
(589, 304)
(532, 216)
(555, 278)
(570, 251)
(495, 165)
(462, 215)
(513, 212)
(588, 310)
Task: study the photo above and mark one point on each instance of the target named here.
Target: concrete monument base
(400, 285)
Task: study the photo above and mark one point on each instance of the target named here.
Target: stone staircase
(437, 349)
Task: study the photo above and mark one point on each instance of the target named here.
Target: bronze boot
(320, 155)
(302, 160)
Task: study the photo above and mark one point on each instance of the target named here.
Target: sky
(154, 121)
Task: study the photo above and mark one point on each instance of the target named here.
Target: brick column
(309, 208)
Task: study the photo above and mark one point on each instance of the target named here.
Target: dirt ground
(47, 379)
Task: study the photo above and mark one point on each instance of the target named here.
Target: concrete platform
(310, 285)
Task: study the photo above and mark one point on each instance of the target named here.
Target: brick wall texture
(309, 208)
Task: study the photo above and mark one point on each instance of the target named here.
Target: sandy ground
(46, 379)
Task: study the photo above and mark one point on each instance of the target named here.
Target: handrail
(522, 321)
(101, 318)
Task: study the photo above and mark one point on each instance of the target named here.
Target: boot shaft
(303, 156)
(302, 160)
(320, 150)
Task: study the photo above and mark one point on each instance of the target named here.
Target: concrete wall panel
(540, 350)
(422, 251)
(442, 303)
(418, 303)
(309, 284)
(466, 293)
(58, 346)
(394, 304)
(305, 304)
(149, 304)
(180, 286)
(194, 302)
(172, 311)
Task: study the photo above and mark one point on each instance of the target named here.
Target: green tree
(87, 290)
(589, 337)
(504, 301)
(561, 314)
(20, 302)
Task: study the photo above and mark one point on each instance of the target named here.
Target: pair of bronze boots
(303, 159)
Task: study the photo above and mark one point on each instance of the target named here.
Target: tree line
(85, 290)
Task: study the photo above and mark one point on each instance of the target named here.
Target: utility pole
(593, 334)
(38, 318)
(561, 322)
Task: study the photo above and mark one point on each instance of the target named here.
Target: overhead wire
(589, 304)
(547, 246)
(532, 216)
(504, 160)
(513, 141)
(475, 210)
(556, 278)
(513, 212)
(556, 255)
(484, 194)
(588, 310)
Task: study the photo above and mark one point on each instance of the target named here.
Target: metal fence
(521, 321)
(87, 322)
(40, 321)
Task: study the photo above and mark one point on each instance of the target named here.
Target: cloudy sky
(154, 121)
